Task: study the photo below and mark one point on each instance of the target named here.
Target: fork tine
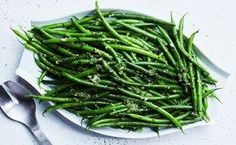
(17, 90)
(5, 99)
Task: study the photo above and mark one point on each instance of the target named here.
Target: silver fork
(22, 112)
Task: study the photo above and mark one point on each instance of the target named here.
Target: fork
(22, 112)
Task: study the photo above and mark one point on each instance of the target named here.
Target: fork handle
(40, 136)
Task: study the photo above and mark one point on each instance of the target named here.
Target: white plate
(29, 71)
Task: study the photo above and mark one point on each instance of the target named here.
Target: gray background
(216, 20)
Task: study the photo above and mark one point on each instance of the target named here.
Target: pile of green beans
(122, 70)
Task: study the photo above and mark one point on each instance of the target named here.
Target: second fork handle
(40, 136)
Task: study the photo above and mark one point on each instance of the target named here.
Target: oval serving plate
(29, 71)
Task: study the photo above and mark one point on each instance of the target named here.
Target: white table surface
(216, 20)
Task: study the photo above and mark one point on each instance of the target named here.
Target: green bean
(156, 64)
(131, 94)
(79, 39)
(205, 107)
(110, 120)
(198, 89)
(59, 88)
(87, 72)
(49, 64)
(160, 96)
(163, 72)
(31, 48)
(94, 27)
(101, 110)
(176, 107)
(73, 34)
(136, 29)
(96, 118)
(209, 80)
(131, 21)
(109, 69)
(184, 115)
(159, 40)
(116, 76)
(65, 59)
(139, 51)
(79, 21)
(181, 27)
(147, 119)
(147, 44)
(191, 72)
(153, 31)
(89, 48)
(143, 24)
(66, 52)
(188, 56)
(153, 120)
(86, 61)
(123, 123)
(42, 48)
(101, 28)
(41, 77)
(34, 46)
(185, 101)
(107, 25)
(164, 113)
(171, 43)
(119, 111)
(159, 77)
(127, 56)
(55, 82)
(175, 34)
(169, 56)
(19, 34)
(48, 69)
(54, 99)
(137, 42)
(79, 27)
(112, 30)
(199, 92)
(177, 57)
(141, 17)
(85, 82)
(210, 93)
(112, 51)
(71, 104)
(44, 33)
